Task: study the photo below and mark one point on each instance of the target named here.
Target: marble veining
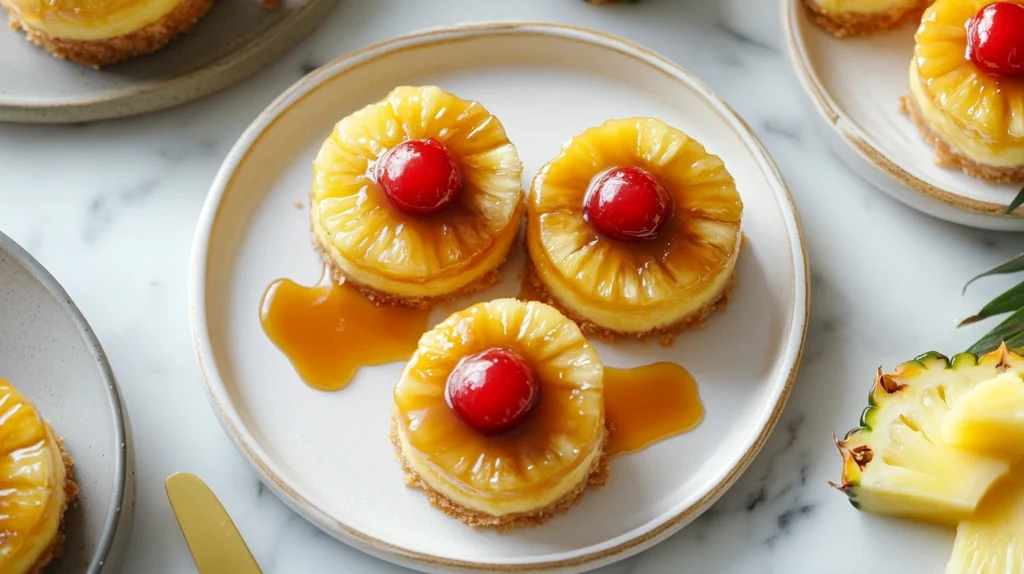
(110, 209)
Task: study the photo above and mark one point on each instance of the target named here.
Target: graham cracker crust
(98, 53)
(851, 24)
(598, 476)
(665, 335)
(70, 493)
(946, 157)
(383, 298)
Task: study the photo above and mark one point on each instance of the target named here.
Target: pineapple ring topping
(628, 204)
(419, 176)
(366, 228)
(697, 242)
(563, 429)
(493, 390)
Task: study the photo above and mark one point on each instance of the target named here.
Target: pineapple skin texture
(992, 541)
(989, 418)
(32, 479)
(537, 463)
(376, 245)
(897, 461)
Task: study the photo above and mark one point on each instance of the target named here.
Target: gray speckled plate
(236, 39)
(48, 351)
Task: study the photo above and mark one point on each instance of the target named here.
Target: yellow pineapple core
(992, 541)
(989, 418)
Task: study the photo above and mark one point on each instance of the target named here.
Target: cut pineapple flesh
(898, 462)
(32, 479)
(637, 287)
(537, 463)
(992, 541)
(986, 108)
(378, 246)
(90, 19)
(989, 417)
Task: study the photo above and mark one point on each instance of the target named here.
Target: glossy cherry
(995, 39)
(628, 204)
(420, 177)
(492, 391)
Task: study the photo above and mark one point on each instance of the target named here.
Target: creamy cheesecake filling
(449, 282)
(1004, 153)
(865, 7)
(504, 504)
(78, 20)
(633, 318)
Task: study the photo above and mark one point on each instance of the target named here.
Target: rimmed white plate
(235, 39)
(328, 456)
(48, 352)
(856, 84)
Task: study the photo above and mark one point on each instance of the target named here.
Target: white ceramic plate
(328, 455)
(856, 84)
(237, 38)
(48, 351)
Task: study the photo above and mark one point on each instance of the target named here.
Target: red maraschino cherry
(492, 391)
(419, 176)
(995, 39)
(628, 204)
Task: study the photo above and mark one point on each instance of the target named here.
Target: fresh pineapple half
(551, 455)
(377, 246)
(638, 287)
(992, 541)
(989, 417)
(898, 461)
(34, 485)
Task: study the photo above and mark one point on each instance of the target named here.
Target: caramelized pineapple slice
(564, 430)
(356, 221)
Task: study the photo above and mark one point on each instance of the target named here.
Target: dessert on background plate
(933, 445)
(96, 33)
(634, 229)
(967, 86)
(36, 486)
(863, 17)
(499, 415)
(417, 198)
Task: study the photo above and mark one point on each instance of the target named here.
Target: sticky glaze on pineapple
(328, 331)
(644, 405)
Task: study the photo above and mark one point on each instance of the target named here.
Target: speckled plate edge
(220, 74)
(852, 145)
(422, 561)
(117, 527)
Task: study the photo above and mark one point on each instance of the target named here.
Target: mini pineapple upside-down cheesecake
(499, 415)
(634, 229)
(417, 198)
(100, 32)
(967, 86)
(863, 17)
(35, 486)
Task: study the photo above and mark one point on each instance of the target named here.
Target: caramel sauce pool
(329, 331)
(644, 405)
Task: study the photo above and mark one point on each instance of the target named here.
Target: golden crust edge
(852, 24)
(56, 547)
(96, 53)
(946, 157)
(597, 476)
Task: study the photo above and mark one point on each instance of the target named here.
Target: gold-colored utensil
(216, 545)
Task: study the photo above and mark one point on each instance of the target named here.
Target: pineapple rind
(934, 481)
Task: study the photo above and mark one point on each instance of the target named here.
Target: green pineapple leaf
(1008, 331)
(1008, 302)
(1017, 201)
(1012, 266)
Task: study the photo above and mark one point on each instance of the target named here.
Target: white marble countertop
(109, 208)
